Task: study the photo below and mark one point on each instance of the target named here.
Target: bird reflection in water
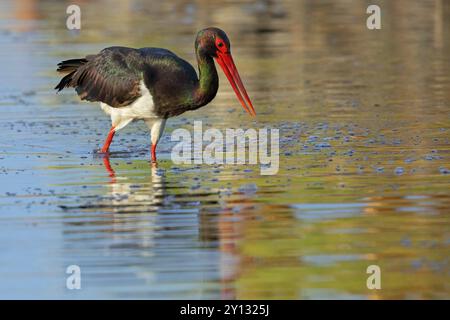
(163, 202)
(127, 196)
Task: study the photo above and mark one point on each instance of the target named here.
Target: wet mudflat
(364, 157)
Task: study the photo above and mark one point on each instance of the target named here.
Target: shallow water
(364, 157)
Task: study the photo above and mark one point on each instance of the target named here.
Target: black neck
(208, 80)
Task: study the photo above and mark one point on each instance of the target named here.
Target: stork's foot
(101, 152)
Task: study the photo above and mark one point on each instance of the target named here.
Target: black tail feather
(71, 66)
(65, 81)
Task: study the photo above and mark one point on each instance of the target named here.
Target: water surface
(364, 157)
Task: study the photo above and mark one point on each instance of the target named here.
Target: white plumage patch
(141, 109)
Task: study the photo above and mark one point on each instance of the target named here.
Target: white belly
(142, 108)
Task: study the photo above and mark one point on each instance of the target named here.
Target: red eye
(220, 45)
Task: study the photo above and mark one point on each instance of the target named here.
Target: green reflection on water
(363, 118)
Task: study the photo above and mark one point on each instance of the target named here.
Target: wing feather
(111, 77)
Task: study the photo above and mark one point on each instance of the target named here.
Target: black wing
(112, 76)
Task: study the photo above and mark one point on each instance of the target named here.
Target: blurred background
(364, 156)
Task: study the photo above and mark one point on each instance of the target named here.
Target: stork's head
(214, 42)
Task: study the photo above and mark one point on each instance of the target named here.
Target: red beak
(225, 60)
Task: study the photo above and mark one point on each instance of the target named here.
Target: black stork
(153, 84)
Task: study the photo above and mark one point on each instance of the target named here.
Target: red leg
(153, 152)
(108, 141)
